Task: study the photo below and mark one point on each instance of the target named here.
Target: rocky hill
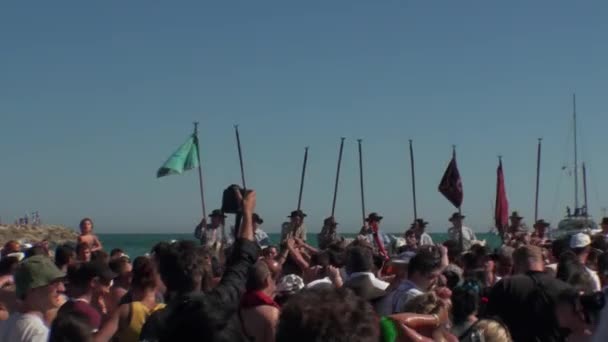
(27, 233)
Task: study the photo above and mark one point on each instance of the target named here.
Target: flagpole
(498, 222)
(333, 204)
(361, 180)
(413, 179)
(200, 170)
(461, 238)
(238, 144)
(538, 151)
(302, 178)
(239, 215)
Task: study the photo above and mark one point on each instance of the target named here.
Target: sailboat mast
(575, 156)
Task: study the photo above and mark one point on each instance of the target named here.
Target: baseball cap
(34, 272)
(580, 240)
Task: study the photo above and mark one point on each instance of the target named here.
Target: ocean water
(139, 244)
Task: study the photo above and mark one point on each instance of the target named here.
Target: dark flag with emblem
(451, 184)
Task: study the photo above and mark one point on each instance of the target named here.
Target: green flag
(185, 158)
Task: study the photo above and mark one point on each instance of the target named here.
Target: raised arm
(244, 254)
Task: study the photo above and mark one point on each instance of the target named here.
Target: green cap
(35, 271)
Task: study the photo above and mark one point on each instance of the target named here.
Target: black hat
(297, 213)
(515, 214)
(374, 217)
(542, 223)
(421, 222)
(257, 219)
(217, 213)
(604, 220)
(330, 221)
(456, 216)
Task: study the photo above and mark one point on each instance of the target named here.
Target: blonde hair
(424, 304)
(493, 331)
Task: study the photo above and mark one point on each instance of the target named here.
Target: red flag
(501, 215)
(451, 184)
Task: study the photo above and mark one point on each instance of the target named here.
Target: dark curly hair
(70, 326)
(359, 259)
(144, 273)
(327, 314)
(81, 224)
(426, 261)
(185, 267)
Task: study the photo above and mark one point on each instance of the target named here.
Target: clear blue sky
(95, 95)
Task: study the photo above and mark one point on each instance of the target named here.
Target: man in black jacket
(194, 311)
(525, 302)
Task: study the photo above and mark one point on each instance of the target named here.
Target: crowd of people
(236, 286)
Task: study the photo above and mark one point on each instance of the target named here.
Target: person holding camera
(197, 311)
(295, 228)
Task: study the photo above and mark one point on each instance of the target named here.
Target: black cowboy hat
(217, 213)
(421, 222)
(297, 213)
(542, 223)
(330, 221)
(373, 217)
(257, 219)
(456, 216)
(604, 220)
(515, 214)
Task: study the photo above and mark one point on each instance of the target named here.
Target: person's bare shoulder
(270, 313)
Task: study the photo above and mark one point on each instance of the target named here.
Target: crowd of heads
(349, 290)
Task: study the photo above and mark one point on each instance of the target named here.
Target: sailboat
(579, 220)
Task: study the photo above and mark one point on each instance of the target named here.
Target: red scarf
(252, 299)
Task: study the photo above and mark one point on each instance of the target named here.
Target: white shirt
(596, 280)
(210, 236)
(319, 282)
(426, 240)
(467, 236)
(377, 283)
(24, 328)
(262, 238)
